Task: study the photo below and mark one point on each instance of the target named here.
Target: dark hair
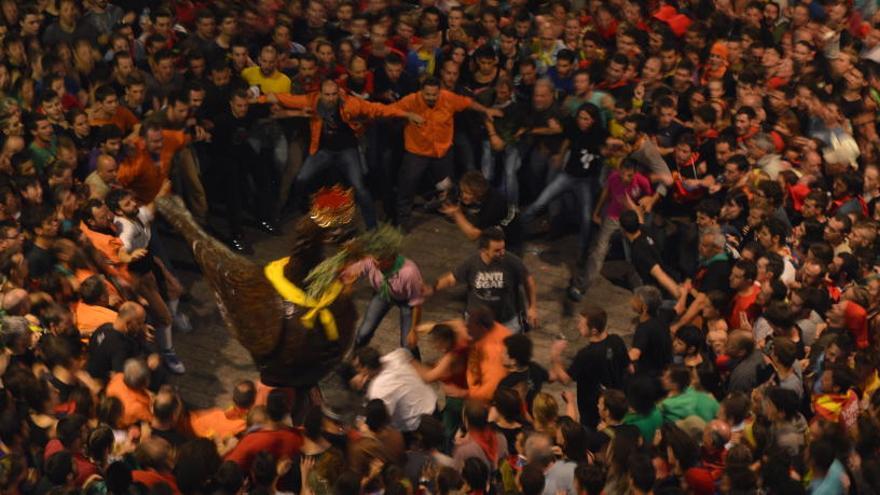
(680, 375)
(369, 358)
(748, 267)
(785, 400)
(477, 415)
(574, 438)
(615, 402)
(519, 348)
(531, 479)
(777, 228)
(377, 416)
(276, 405)
(490, 234)
(641, 471)
(629, 222)
(597, 318)
(508, 403)
(431, 81)
(590, 477)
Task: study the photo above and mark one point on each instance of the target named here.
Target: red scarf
(488, 442)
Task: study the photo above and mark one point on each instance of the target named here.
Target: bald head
(16, 302)
(130, 313)
(106, 168)
(716, 434)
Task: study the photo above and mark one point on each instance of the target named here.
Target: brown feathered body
(287, 354)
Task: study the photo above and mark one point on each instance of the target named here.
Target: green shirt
(689, 403)
(647, 424)
(43, 157)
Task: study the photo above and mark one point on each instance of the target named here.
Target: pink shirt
(405, 285)
(639, 187)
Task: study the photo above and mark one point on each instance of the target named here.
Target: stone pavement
(215, 361)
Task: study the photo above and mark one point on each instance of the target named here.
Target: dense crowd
(724, 150)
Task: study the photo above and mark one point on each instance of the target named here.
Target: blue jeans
(376, 310)
(347, 161)
(512, 163)
(583, 188)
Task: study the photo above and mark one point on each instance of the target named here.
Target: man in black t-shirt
(602, 364)
(651, 349)
(646, 265)
(114, 343)
(495, 278)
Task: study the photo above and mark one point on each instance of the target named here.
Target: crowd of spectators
(725, 150)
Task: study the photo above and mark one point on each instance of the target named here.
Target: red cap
(679, 23)
(665, 13)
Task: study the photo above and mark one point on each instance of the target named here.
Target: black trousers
(410, 176)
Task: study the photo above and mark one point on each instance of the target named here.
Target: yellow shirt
(276, 83)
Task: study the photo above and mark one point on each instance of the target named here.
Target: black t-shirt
(715, 276)
(585, 159)
(492, 211)
(108, 351)
(533, 377)
(653, 339)
(597, 366)
(645, 257)
(40, 261)
(336, 134)
(540, 118)
(495, 284)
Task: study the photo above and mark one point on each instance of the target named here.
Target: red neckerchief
(749, 134)
(488, 442)
(710, 134)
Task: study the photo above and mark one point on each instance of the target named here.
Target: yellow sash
(274, 272)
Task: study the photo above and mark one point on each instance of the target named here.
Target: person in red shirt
(154, 455)
(273, 436)
(742, 280)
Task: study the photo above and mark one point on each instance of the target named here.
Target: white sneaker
(173, 363)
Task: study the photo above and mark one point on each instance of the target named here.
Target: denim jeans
(376, 310)
(585, 276)
(512, 164)
(347, 161)
(583, 188)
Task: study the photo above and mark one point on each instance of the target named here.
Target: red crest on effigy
(332, 206)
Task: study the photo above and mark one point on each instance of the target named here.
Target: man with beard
(334, 137)
(132, 222)
(428, 145)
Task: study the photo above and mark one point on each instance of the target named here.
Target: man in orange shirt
(427, 145)
(334, 131)
(108, 111)
(217, 423)
(148, 161)
(130, 387)
(93, 309)
(485, 367)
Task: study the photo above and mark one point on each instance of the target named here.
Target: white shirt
(135, 234)
(402, 390)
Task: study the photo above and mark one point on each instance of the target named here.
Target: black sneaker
(575, 294)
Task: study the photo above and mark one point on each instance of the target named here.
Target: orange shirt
(486, 363)
(123, 119)
(218, 423)
(351, 110)
(135, 403)
(89, 318)
(434, 137)
(109, 246)
(143, 176)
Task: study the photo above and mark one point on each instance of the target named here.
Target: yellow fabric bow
(274, 272)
